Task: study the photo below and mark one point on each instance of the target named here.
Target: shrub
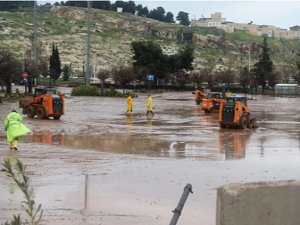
(85, 91)
(111, 92)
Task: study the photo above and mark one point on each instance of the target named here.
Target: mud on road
(99, 166)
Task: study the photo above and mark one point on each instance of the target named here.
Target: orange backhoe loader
(234, 113)
(45, 103)
(199, 96)
(212, 102)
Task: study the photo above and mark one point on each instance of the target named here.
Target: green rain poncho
(14, 127)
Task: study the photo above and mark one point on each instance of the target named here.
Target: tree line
(130, 7)
(149, 58)
(12, 70)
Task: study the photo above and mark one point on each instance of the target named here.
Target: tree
(82, 4)
(183, 18)
(14, 5)
(297, 76)
(66, 72)
(44, 66)
(185, 57)
(181, 77)
(157, 14)
(32, 70)
(225, 71)
(102, 75)
(179, 64)
(55, 64)
(123, 75)
(264, 66)
(105, 5)
(141, 72)
(10, 69)
(169, 18)
(128, 7)
(149, 55)
(207, 72)
(141, 11)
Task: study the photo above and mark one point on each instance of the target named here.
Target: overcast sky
(284, 14)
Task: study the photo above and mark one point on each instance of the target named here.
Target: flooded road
(99, 166)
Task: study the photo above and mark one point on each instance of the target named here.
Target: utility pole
(35, 56)
(35, 35)
(88, 40)
(249, 68)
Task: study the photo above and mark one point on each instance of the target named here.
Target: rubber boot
(15, 144)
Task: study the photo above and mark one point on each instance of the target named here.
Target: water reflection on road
(230, 144)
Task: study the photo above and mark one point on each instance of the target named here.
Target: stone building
(216, 20)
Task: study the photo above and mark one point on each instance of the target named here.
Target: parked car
(94, 80)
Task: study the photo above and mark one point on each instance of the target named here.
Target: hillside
(112, 34)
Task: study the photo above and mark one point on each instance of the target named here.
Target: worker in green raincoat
(14, 127)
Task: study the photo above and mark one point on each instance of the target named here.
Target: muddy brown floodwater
(98, 166)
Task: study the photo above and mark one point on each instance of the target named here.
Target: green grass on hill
(239, 35)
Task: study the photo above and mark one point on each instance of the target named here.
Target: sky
(283, 14)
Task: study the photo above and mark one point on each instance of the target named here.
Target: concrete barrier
(262, 203)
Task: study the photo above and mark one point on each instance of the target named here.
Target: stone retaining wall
(263, 203)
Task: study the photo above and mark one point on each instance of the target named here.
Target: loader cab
(233, 100)
(212, 102)
(44, 90)
(214, 95)
(228, 109)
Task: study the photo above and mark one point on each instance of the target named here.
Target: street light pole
(88, 40)
(249, 69)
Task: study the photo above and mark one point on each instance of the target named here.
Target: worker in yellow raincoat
(149, 105)
(228, 94)
(129, 104)
(14, 127)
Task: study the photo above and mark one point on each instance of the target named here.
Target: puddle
(225, 145)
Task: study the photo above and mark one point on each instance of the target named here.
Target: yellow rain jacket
(228, 94)
(14, 127)
(129, 103)
(150, 104)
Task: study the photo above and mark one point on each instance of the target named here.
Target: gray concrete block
(262, 203)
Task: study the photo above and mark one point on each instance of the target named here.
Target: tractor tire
(243, 122)
(255, 125)
(24, 110)
(56, 117)
(30, 112)
(250, 122)
(41, 113)
(223, 126)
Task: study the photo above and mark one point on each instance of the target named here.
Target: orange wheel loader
(45, 103)
(234, 113)
(199, 96)
(212, 102)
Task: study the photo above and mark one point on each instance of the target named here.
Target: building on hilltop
(216, 20)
